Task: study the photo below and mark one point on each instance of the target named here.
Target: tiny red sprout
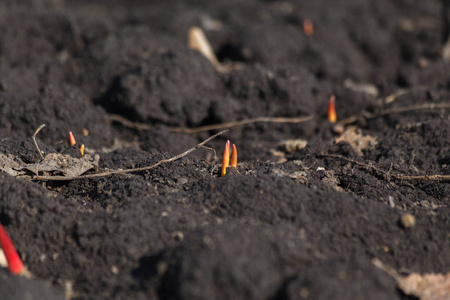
(15, 264)
(226, 158)
(82, 149)
(308, 27)
(234, 157)
(71, 139)
(331, 110)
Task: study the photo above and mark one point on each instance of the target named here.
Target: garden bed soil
(290, 222)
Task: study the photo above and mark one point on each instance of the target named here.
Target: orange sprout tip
(226, 158)
(331, 110)
(71, 139)
(308, 27)
(234, 157)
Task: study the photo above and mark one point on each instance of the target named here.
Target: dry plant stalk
(386, 175)
(396, 110)
(34, 139)
(430, 106)
(142, 126)
(239, 123)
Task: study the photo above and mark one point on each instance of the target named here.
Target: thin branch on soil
(395, 110)
(398, 110)
(141, 126)
(90, 176)
(34, 139)
(386, 175)
(392, 97)
(389, 270)
(127, 123)
(239, 123)
(213, 150)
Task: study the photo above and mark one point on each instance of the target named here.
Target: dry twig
(385, 174)
(127, 123)
(213, 150)
(90, 176)
(142, 126)
(392, 97)
(34, 139)
(395, 110)
(239, 123)
(398, 110)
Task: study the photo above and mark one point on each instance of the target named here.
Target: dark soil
(287, 224)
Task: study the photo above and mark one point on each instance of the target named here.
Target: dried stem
(90, 176)
(396, 110)
(213, 150)
(395, 95)
(34, 139)
(238, 123)
(127, 123)
(142, 126)
(400, 177)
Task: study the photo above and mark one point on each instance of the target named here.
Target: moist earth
(291, 221)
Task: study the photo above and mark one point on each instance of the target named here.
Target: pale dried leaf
(331, 180)
(63, 165)
(357, 140)
(10, 164)
(366, 88)
(293, 145)
(426, 287)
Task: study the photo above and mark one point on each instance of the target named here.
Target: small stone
(114, 270)
(207, 240)
(408, 221)
(293, 145)
(162, 267)
(85, 131)
(178, 235)
(338, 128)
(391, 202)
(278, 153)
(304, 293)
